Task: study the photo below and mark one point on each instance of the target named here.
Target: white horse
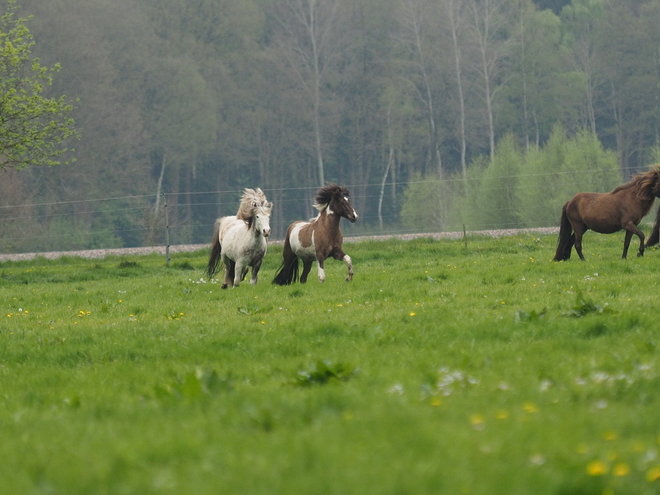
(239, 241)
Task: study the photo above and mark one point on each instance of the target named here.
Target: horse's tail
(566, 238)
(288, 271)
(216, 252)
(654, 238)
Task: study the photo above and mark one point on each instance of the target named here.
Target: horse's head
(648, 183)
(261, 218)
(656, 181)
(251, 199)
(336, 199)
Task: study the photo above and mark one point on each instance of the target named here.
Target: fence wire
(72, 212)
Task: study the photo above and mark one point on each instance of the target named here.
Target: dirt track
(102, 253)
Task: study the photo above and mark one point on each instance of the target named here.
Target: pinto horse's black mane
(326, 194)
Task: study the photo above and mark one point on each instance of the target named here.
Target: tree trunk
(455, 26)
(387, 170)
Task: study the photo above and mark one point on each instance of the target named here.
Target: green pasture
(444, 368)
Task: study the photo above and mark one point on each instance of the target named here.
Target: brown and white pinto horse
(606, 213)
(318, 239)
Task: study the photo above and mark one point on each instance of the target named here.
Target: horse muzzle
(266, 232)
(353, 218)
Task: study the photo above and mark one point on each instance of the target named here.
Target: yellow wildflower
(621, 469)
(476, 420)
(596, 468)
(653, 474)
(502, 414)
(610, 435)
(637, 447)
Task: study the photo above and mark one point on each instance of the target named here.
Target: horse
(319, 238)
(606, 213)
(654, 238)
(239, 241)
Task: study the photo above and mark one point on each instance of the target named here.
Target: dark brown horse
(654, 238)
(319, 238)
(606, 213)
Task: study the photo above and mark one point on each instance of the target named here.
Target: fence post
(167, 231)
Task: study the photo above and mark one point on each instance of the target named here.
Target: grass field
(442, 368)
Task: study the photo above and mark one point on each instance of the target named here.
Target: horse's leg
(229, 273)
(340, 255)
(655, 235)
(239, 272)
(579, 232)
(631, 229)
(255, 272)
(349, 265)
(626, 244)
(321, 268)
(654, 238)
(307, 267)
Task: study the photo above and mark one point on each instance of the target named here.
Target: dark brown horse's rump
(606, 213)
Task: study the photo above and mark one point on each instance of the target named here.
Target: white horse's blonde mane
(250, 201)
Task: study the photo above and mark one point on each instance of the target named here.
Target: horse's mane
(646, 184)
(250, 201)
(325, 195)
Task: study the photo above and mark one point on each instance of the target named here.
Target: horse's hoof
(224, 286)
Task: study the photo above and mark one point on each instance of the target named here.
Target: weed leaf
(524, 316)
(584, 307)
(322, 372)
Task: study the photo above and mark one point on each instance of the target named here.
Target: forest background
(435, 113)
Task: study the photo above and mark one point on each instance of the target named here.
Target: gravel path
(186, 248)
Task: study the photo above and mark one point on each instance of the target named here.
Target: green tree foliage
(542, 190)
(541, 91)
(516, 188)
(626, 45)
(427, 204)
(34, 130)
(200, 99)
(564, 167)
(497, 204)
(554, 5)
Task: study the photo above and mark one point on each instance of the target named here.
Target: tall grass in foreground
(485, 369)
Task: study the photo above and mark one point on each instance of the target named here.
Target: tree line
(398, 99)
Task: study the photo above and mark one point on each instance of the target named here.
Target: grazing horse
(239, 241)
(319, 238)
(606, 213)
